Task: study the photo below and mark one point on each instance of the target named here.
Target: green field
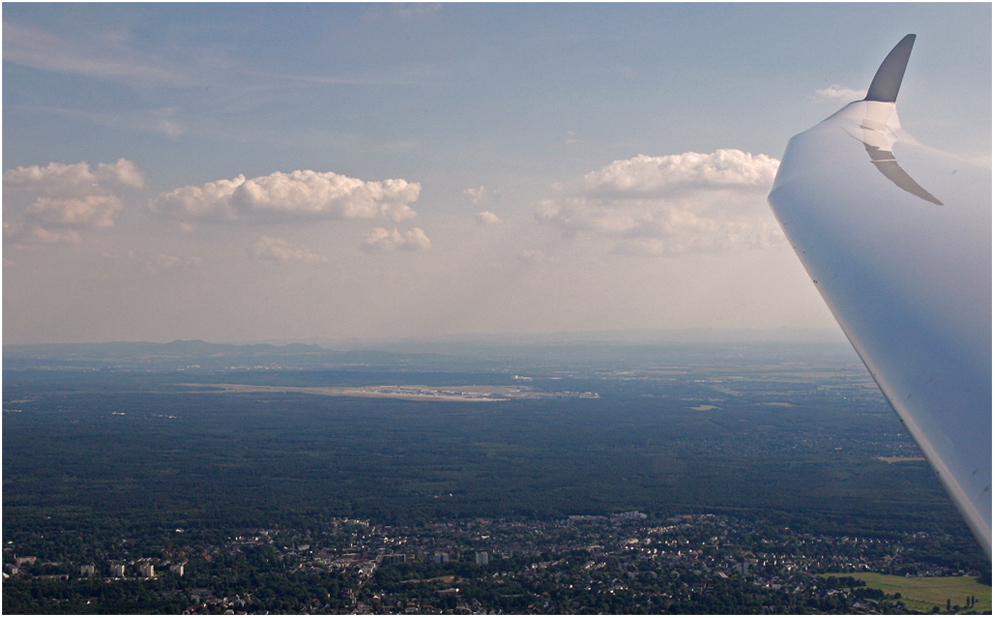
(922, 594)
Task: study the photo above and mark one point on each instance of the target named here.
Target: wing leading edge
(897, 238)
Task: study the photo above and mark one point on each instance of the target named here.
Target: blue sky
(281, 171)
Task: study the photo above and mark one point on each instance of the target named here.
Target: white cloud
(102, 57)
(380, 239)
(123, 172)
(157, 121)
(531, 256)
(55, 202)
(61, 178)
(91, 211)
(476, 195)
(42, 235)
(302, 194)
(486, 217)
(278, 250)
(671, 204)
(480, 195)
(209, 201)
(667, 175)
(836, 91)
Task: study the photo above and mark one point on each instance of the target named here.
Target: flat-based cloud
(481, 195)
(531, 256)
(56, 202)
(487, 217)
(61, 178)
(837, 92)
(85, 212)
(299, 195)
(671, 204)
(382, 239)
(667, 175)
(271, 249)
(41, 235)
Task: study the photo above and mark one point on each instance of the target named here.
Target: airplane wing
(897, 238)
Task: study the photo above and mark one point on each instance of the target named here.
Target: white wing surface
(897, 239)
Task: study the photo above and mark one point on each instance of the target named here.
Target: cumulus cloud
(671, 204)
(302, 194)
(486, 217)
(476, 195)
(531, 256)
(157, 121)
(837, 92)
(56, 202)
(278, 250)
(44, 236)
(480, 195)
(60, 178)
(667, 175)
(85, 212)
(381, 239)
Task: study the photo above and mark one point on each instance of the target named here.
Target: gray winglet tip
(884, 87)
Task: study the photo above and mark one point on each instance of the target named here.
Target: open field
(411, 393)
(922, 594)
(892, 460)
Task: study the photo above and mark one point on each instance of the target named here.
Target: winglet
(888, 79)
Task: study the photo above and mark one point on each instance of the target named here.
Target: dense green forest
(118, 451)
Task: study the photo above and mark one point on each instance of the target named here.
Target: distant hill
(192, 356)
(488, 354)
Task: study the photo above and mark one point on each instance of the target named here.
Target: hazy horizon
(631, 336)
(358, 172)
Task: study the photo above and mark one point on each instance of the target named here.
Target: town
(626, 563)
